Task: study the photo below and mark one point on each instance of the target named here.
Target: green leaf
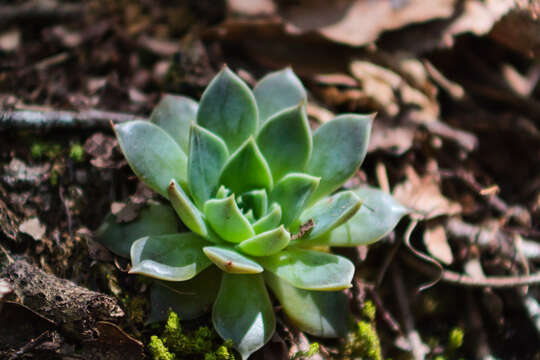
(186, 210)
(256, 200)
(271, 220)
(231, 261)
(243, 313)
(227, 220)
(222, 192)
(152, 154)
(189, 299)
(285, 141)
(330, 212)
(339, 147)
(310, 270)
(174, 257)
(246, 170)
(379, 214)
(207, 155)
(228, 109)
(174, 114)
(292, 194)
(267, 243)
(277, 91)
(319, 313)
(155, 219)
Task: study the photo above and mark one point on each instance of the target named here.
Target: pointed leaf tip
(339, 147)
(285, 141)
(277, 91)
(228, 109)
(152, 154)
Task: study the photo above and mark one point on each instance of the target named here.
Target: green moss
(455, 338)
(54, 177)
(369, 310)
(36, 151)
(363, 343)
(201, 343)
(313, 349)
(158, 350)
(76, 152)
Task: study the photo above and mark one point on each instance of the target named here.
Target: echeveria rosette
(244, 181)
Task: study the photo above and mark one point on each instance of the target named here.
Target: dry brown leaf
(33, 227)
(423, 196)
(388, 137)
(358, 22)
(437, 244)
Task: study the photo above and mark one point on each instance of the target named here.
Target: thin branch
(55, 119)
(465, 280)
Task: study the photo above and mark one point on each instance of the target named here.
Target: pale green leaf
(246, 170)
(243, 313)
(174, 257)
(330, 212)
(174, 114)
(152, 154)
(189, 299)
(155, 219)
(227, 220)
(319, 313)
(231, 261)
(266, 243)
(378, 215)
(339, 147)
(207, 155)
(310, 270)
(228, 109)
(271, 220)
(285, 141)
(186, 210)
(292, 194)
(277, 91)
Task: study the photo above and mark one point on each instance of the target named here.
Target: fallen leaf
(423, 196)
(10, 40)
(358, 22)
(18, 173)
(125, 212)
(100, 147)
(390, 137)
(437, 244)
(33, 227)
(5, 288)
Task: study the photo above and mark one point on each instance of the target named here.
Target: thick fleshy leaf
(285, 141)
(319, 313)
(267, 243)
(243, 313)
(207, 155)
(189, 299)
(330, 212)
(222, 192)
(228, 109)
(152, 154)
(310, 270)
(256, 200)
(278, 91)
(156, 219)
(174, 257)
(174, 114)
(339, 147)
(379, 214)
(186, 210)
(292, 194)
(271, 220)
(231, 261)
(246, 170)
(227, 220)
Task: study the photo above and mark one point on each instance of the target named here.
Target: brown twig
(418, 348)
(40, 10)
(465, 280)
(46, 119)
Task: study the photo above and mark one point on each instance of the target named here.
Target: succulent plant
(255, 188)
